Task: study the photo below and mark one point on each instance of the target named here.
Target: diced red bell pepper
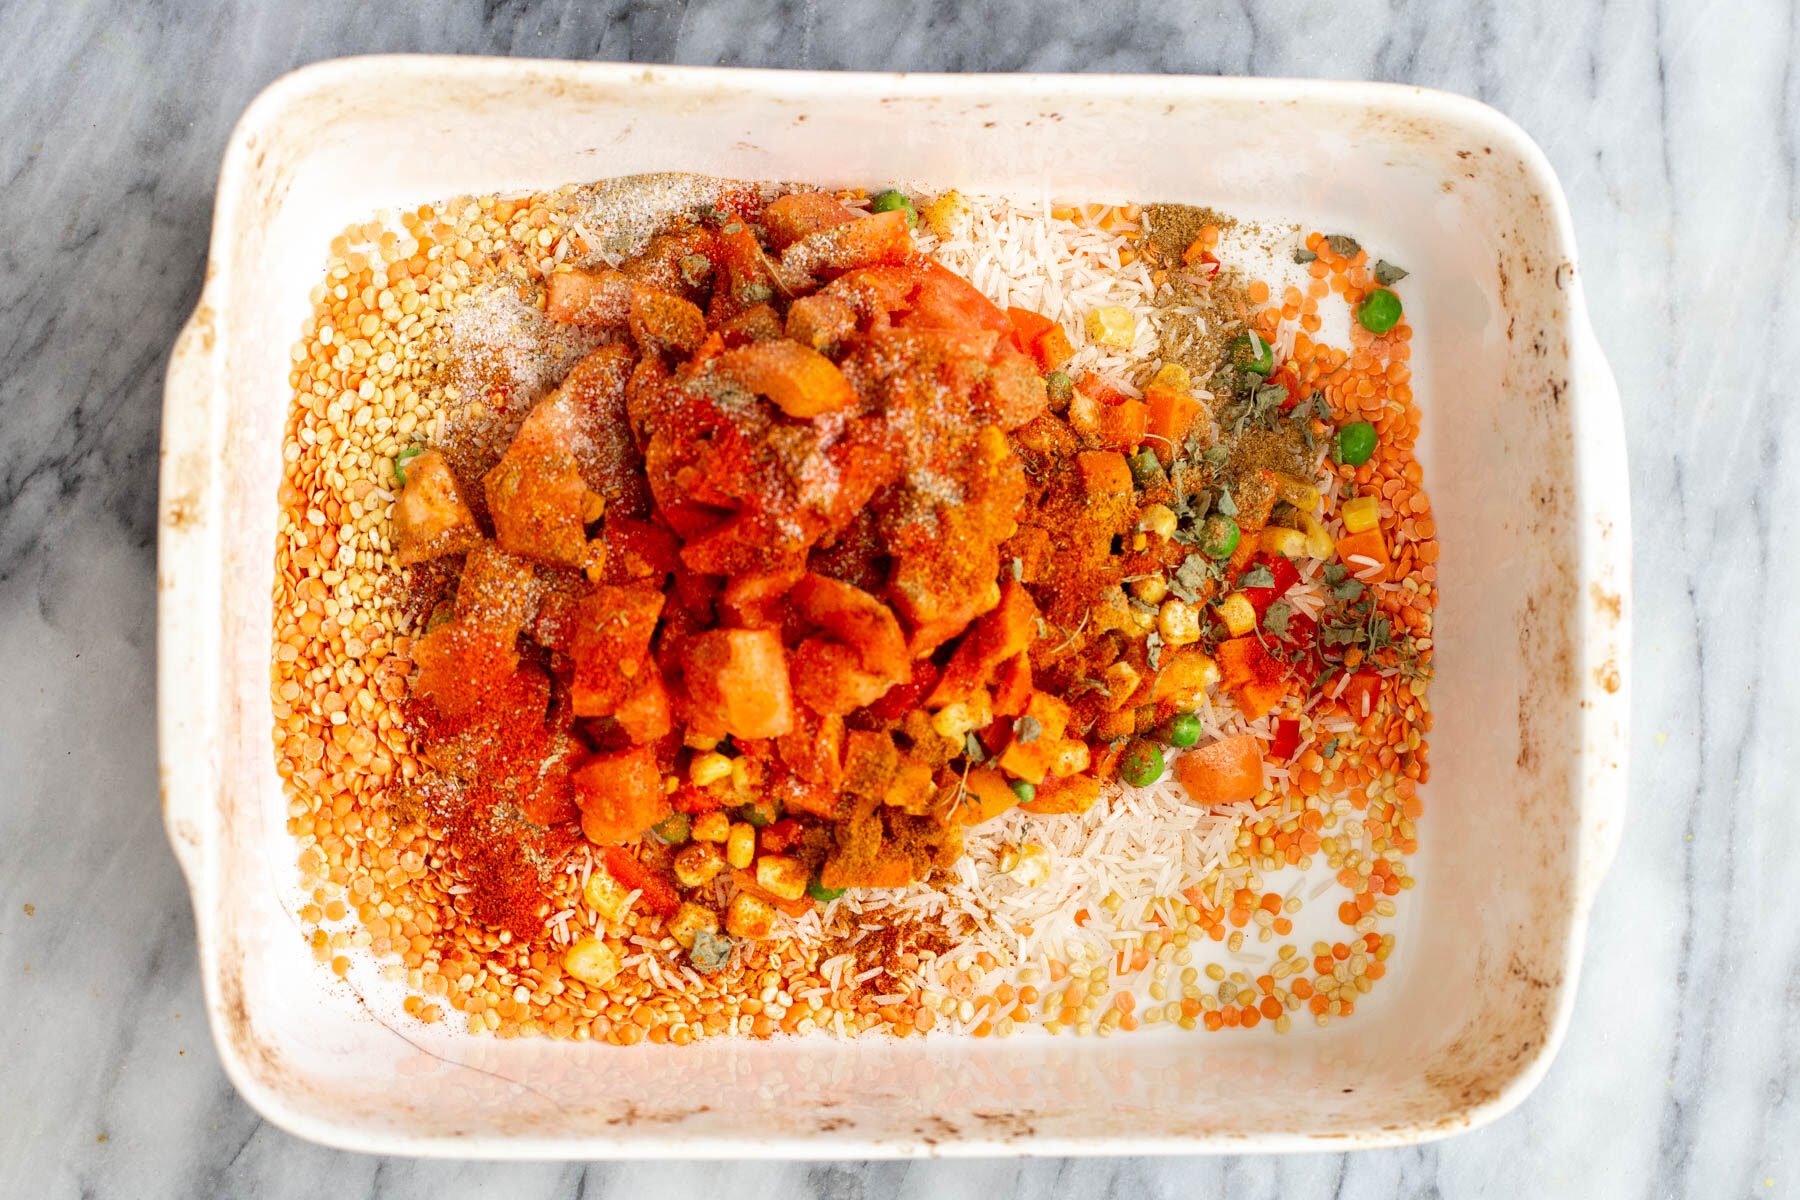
(655, 889)
(1285, 575)
(1286, 739)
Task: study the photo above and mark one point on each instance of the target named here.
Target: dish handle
(1605, 604)
(188, 637)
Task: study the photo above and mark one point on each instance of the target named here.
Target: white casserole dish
(1525, 463)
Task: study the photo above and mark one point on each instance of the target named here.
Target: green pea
(1218, 536)
(1141, 765)
(1183, 730)
(1379, 311)
(892, 200)
(821, 893)
(1355, 443)
(673, 829)
(761, 812)
(1058, 387)
(1025, 790)
(1248, 353)
(404, 457)
(1146, 470)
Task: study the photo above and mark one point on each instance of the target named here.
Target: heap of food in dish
(819, 558)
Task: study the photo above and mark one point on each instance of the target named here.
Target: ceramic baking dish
(1526, 465)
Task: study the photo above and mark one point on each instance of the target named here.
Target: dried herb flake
(1387, 274)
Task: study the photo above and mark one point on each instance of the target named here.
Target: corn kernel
(749, 917)
(714, 826)
(689, 921)
(1178, 622)
(1121, 679)
(740, 846)
(740, 775)
(605, 895)
(1362, 514)
(698, 864)
(694, 740)
(1071, 758)
(942, 214)
(1033, 865)
(1111, 325)
(1158, 519)
(1318, 542)
(1173, 376)
(954, 721)
(1150, 589)
(1289, 543)
(1139, 540)
(1237, 613)
(1297, 492)
(708, 768)
(592, 961)
(781, 876)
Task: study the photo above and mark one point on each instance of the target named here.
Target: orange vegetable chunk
(798, 380)
(620, 795)
(740, 678)
(1225, 772)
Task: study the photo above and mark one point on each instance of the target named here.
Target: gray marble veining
(1675, 128)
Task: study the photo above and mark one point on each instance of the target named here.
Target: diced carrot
(797, 379)
(595, 299)
(1361, 694)
(1171, 416)
(1256, 680)
(800, 214)
(1104, 473)
(644, 712)
(739, 677)
(432, 518)
(878, 239)
(1182, 676)
(1122, 426)
(988, 795)
(613, 628)
(1053, 349)
(1227, 771)
(1030, 759)
(1006, 630)
(620, 795)
(1074, 794)
(1012, 686)
(1368, 544)
(661, 323)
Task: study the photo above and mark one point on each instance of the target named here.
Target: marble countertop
(1675, 128)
